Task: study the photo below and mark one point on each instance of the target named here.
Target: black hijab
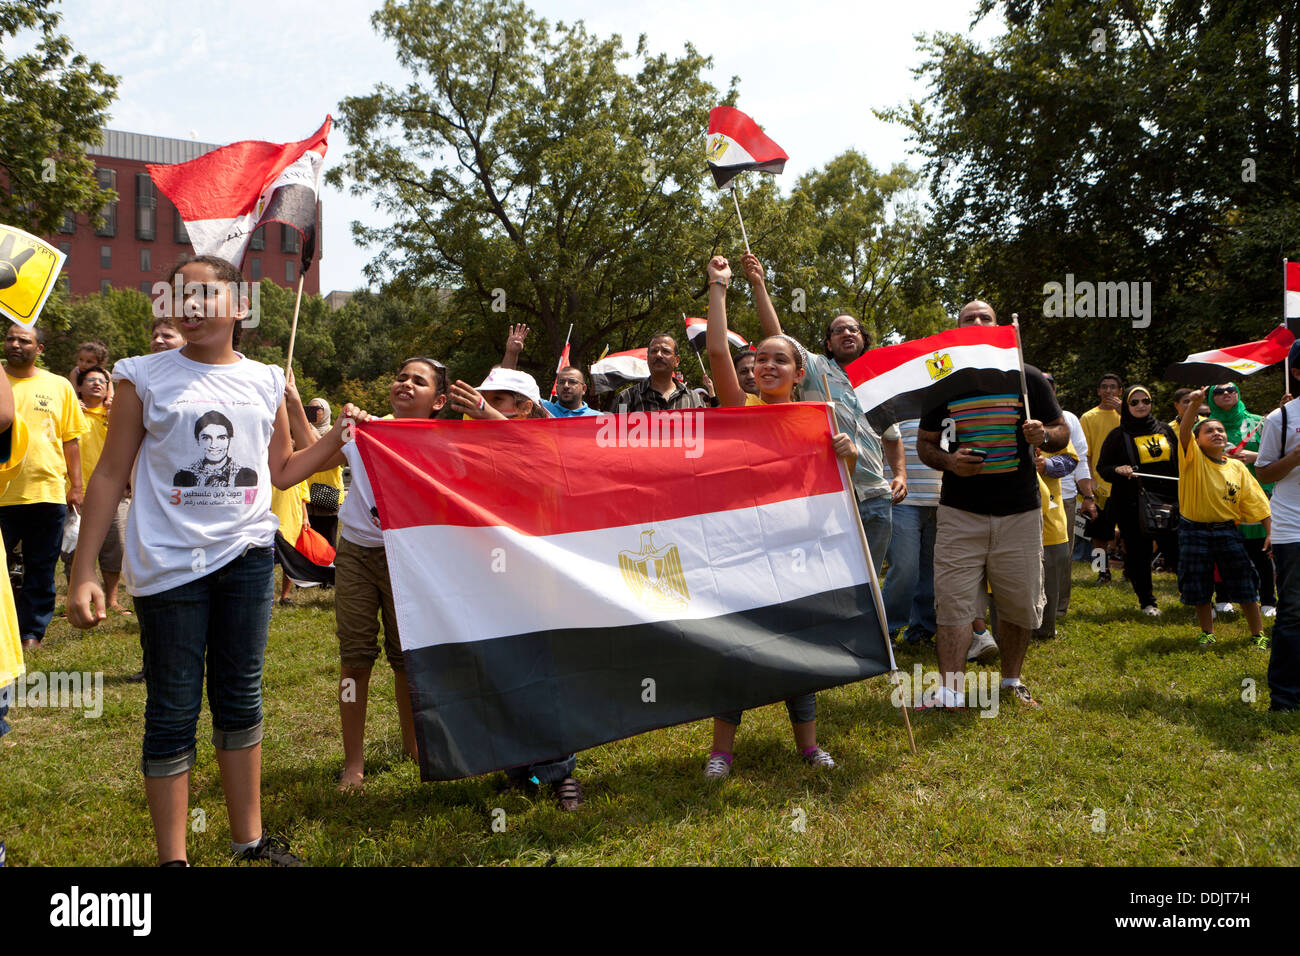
(1133, 425)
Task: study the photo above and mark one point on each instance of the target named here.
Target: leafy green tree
(53, 102)
(1116, 141)
(528, 170)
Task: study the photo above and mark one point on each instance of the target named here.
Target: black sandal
(568, 794)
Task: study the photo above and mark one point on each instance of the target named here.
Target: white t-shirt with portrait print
(201, 485)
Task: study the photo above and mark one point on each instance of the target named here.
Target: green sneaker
(1263, 641)
(1206, 639)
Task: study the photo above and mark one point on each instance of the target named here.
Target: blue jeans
(909, 585)
(877, 520)
(40, 529)
(1284, 660)
(223, 616)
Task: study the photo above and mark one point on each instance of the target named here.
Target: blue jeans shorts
(222, 619)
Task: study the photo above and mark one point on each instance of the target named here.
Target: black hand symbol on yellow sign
(10, 267)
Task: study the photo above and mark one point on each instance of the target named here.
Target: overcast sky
(810, 72)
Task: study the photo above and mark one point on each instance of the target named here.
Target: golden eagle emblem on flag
(939, 366)
(655, 575)
(717, 146)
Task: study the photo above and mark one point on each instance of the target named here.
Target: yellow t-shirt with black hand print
(1210, 491)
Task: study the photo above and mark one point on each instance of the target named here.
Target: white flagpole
(1020, 356)
(293, 329)
(743, 234)
(871, 567)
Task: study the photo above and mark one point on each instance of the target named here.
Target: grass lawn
(1144, 753)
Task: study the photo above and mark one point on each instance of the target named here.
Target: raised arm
(288, 467)
(767, 317)
(1194, 401)
(726, 384)
(514, 345)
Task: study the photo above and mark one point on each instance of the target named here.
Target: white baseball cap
(512, 380)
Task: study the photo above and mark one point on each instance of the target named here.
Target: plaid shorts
(1203, 546)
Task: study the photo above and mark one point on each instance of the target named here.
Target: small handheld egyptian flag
(1291, 294)
(225, 194)
(695, 329)
(28, 268)
(735, 144)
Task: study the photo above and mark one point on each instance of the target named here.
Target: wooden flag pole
(871, 569)
(743, 234)
(1020, 357)
(293, 329)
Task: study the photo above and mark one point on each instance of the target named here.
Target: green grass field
(1144, 753)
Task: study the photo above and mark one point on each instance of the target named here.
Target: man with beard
(661, 391)
(845, 341)
(33, 507)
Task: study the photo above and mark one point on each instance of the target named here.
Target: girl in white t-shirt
(197, 552)
(363, 591)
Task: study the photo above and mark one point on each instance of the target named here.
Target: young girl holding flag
(778, 369)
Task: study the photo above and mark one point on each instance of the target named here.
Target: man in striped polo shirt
(989, 523)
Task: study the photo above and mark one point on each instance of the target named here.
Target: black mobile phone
(977, 452)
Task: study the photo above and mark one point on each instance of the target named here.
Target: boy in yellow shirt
(1215, 494)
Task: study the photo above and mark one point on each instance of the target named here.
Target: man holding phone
(989, 526)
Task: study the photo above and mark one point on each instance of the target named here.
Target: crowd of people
(200, 457)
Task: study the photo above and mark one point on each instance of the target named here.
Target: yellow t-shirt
(1209, 490)
(332, 477)
(1055, 530)
(288, 507)
(53, 416)
(92, 444)
(11, 644)
(752, 400)
(1097, 424)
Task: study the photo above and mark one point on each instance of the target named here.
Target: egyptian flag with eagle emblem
(735, 144)
(1232, 362)
(224, 195)
(642, 578)
(695, 329)
(897, 382)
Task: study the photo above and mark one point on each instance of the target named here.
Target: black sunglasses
(1139, 401)
(1226, 390)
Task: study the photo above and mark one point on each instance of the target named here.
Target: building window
(256, 268)
(288, 239)
(106, 257)
(146, 208)
(179, 233)
(104, 286)
(69, 224)
(259, 240)
(146, 260)
(289, 270)
(147, 288)
(107, 179)
(66, 249)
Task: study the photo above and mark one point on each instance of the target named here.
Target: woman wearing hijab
(326, 487)
(1142, 444)
(1227, 406)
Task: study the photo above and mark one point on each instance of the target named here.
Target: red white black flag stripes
(1235, 361)
(1291, 293)
(224, 195)
(897, 382)
(695, 329)
(650, 578)
(736, 144)
(621, 368)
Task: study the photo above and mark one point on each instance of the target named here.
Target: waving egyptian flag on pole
(1217, 366)
(223, 197)
(1290, 310)
(614, 371)
(897, 382)
(560, 365)
(640, 596)
(695, 335)
(736, 144)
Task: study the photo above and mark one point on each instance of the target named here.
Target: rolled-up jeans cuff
(168, 766)
(237, 739)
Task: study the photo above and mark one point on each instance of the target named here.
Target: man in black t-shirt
(989, 525)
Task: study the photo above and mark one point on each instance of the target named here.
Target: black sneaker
(268, 848)
(1103, 577)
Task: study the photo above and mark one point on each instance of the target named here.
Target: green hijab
(1233, 418)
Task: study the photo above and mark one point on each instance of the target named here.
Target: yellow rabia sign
(28, 268)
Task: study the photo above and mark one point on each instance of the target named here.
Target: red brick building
(143, 236)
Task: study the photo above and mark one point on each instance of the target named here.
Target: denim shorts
(223, 618)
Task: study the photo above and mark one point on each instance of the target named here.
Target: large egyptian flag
(734, 144)
(648, 574)
(225, 194)
(1233, 362)
(622, 368)
(696, 328)
(898, 382)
